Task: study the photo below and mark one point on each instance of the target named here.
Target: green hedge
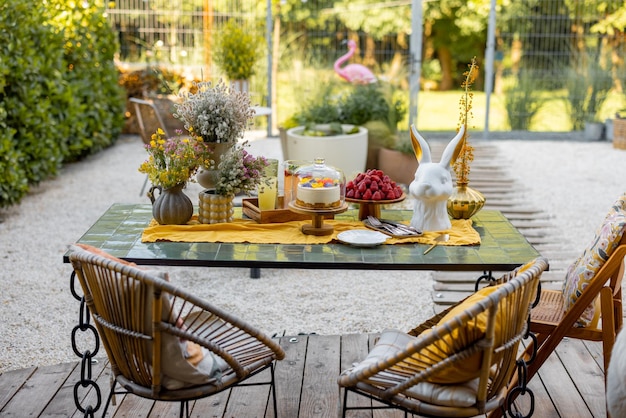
(59, 96)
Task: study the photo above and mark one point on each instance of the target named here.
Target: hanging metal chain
(86, 356)
(486, 276)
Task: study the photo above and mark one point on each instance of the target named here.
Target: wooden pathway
(570, 384)
(490, 176)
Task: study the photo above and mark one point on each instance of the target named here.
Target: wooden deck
(570, 384)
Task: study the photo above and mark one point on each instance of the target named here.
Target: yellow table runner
(249, 231)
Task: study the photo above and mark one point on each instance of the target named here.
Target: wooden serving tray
(250, 208)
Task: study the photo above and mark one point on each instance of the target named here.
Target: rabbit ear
(454, 148)
(420, 146)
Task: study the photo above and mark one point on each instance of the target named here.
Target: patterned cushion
(584, 269)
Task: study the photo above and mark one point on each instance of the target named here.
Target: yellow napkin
(249, 231)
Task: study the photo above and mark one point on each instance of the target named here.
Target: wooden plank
(354, 348)
(586, 375)
(11, 382)
(562, 390)
(320, 393)
(246, 399)
(288, 375)
(37, 391)
(133, 406)
(543, 404)
(167, 409)
(63, 404)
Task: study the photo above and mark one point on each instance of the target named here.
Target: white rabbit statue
(432, 185)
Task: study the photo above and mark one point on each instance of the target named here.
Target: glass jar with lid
(319, 187)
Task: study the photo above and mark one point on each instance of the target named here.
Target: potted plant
(398, 161)
(218, 115)
(236, 53)
(588, 88)
(367, 121)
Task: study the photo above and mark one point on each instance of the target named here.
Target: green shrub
(96, 113)
(59, 97)
(522, 101)
(31, 83)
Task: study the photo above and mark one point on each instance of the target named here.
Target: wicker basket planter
(619, 133)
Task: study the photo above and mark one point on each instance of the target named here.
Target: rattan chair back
(391, 379)
(134, 310)
(148, 119)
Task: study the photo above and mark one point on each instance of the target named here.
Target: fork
(376, 223)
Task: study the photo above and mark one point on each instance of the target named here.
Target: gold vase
(464, 202)
(215, 208)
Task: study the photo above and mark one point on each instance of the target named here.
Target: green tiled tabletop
(502, 247)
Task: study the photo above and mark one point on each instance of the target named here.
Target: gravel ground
(574, 182)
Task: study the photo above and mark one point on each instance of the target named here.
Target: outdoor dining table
(128, 231)
(502, 247)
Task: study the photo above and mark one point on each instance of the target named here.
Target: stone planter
(346, 152)
(594, 131)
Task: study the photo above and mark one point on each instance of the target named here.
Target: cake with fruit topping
(318, 193)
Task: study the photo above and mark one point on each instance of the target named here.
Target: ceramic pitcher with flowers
(172, 206)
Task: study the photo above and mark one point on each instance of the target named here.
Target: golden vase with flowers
(465, 202)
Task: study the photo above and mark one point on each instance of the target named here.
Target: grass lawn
(439, 111)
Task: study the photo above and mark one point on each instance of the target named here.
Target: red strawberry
(367, 195)
(390, 195)
(374, 186)
(362, 187)
(350, 193)
(377, 195)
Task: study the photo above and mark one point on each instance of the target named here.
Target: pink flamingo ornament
(353, 73)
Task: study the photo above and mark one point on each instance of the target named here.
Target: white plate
(362, 237)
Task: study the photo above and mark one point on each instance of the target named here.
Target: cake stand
(317, 227)
(372, 207)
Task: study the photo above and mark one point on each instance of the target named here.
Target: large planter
(594, 131)
(347, 152)
(400, 167)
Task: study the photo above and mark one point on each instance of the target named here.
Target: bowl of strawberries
(372, 189)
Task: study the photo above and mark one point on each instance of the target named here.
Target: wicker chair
(152, 331)
(595, 312)
(602, 264)
(148, 121)
(457, 364)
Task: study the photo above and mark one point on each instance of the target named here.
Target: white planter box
(346, 152)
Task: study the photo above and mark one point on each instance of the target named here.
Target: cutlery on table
(438, 239)
(392, 228)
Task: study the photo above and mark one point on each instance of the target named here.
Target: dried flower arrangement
(216, 113)
(466, 156)
(239, 171)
